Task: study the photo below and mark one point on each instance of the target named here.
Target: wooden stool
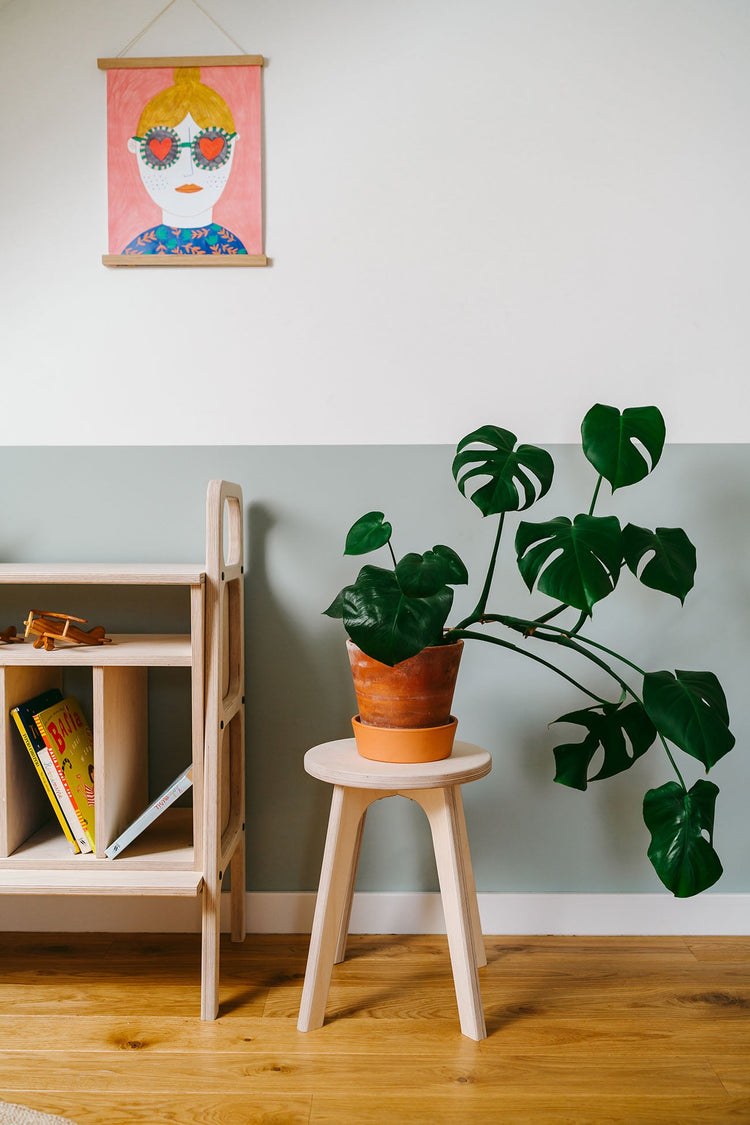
(435, 786)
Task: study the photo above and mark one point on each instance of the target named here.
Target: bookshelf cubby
(187, 851)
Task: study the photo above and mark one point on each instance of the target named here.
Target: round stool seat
(339, 763)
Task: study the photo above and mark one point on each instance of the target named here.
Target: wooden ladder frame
(223, 834)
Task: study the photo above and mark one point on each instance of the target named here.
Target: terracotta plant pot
(416, 694)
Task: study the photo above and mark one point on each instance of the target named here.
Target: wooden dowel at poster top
(187, 60)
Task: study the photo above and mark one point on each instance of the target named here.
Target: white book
(179, 786)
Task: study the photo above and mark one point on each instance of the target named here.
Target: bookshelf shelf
(101, 574)
(187, 850)
(166, 846)
(128, 650)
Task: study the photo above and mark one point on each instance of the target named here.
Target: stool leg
(480, 956)
(347, 913)
(442, 808)
(347, 807)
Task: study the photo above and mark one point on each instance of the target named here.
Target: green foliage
(367, 534)
(682, 827)
(393, 613)
(514, 478)
(391, 623)
(690, 709)
(611, 441)
(671, 567)
(578, 563)
(624, 734)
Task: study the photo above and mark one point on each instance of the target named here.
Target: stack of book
(60, 744)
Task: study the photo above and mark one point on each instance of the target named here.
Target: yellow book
(23, 716)
(70, 746)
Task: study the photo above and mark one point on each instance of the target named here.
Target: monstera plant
(392, 613)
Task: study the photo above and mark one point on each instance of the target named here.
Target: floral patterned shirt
(212, 239)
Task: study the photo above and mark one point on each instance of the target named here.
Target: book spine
(45, 781)
(57, 764)
(65, 798)
(149, 815)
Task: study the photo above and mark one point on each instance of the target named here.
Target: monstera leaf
(682, 856)
(422, 575)
(612, 442)
(690, 709)
(623, 733)
(578, 563)
(671, 567)
(392, 615)
(367, 534)
(514, 478)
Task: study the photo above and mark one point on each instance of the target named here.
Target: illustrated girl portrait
(185, 149)
(184, 162)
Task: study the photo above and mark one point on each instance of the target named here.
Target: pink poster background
(131, 209)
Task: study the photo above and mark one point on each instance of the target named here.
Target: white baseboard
(398, 913)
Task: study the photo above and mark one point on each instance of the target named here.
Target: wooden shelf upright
(186, 851)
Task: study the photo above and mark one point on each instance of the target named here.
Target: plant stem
(603, 648)
(564, 638)
(530, 628)
(467, 634)
(674, 763)
(579, 625)
(478, 613)
(596, 493)
(390, 548)
(552, 613)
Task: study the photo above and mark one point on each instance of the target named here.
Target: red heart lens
(160, 147)
(211, 147)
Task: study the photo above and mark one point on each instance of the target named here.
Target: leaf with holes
(514, 478)
(682, 826)
(690, 709)
(671, 567)
(578, 563)
(623, 733)
(611, 442)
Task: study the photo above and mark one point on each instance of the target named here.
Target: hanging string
(143, 31)
(221, 29)
(165, 9)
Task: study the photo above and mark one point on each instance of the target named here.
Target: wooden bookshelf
(186, 851)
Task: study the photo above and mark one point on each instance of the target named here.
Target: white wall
(492, 210)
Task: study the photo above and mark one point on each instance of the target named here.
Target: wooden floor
(104, 1029)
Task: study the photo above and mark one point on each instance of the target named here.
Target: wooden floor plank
(509, 1109)
(720, 949)
(311, 1071)
(641, 1034)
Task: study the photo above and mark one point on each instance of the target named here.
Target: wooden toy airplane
(50, 627)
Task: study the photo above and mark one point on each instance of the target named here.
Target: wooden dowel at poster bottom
(184, 260)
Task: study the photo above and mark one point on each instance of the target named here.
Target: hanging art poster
(184, 161)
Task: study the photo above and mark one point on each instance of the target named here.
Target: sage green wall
(129, 504)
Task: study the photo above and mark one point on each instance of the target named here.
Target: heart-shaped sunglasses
(161, 147)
